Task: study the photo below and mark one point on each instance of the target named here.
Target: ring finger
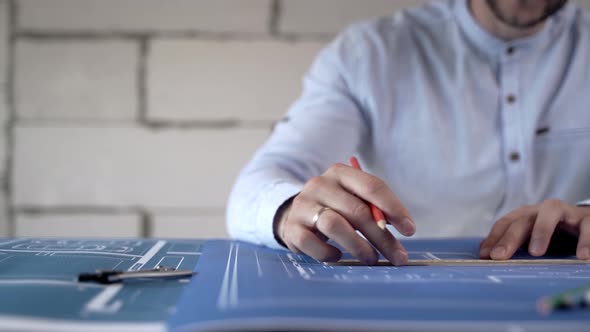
(337, 228)
(358, 216)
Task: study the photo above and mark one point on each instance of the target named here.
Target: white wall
(133, 117)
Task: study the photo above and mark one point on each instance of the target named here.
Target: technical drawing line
(285, 265)
(431, 256)
(183, 253)
(99, 302)
(495, 279)
(223, 298)
(298, 267)
(233, 291)
(149, 255)
(12, 241)
(5, 257)
(177, 267)
(179, 263)
(258, 263)
(116, 265)
(74, 252)
(47, 282)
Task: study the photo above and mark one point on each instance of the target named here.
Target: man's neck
(488, 20)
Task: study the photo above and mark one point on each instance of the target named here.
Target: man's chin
(518, 23)
(514, 20)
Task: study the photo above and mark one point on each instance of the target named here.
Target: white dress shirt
(464, 127)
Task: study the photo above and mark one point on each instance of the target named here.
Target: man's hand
(538, 223)
(345, 191)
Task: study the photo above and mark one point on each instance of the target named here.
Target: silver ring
(317, 215)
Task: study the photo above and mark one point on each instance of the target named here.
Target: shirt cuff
(584, 203)
(271, 201)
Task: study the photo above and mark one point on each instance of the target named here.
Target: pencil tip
(544, 306)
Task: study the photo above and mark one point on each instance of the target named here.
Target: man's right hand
(345, 191)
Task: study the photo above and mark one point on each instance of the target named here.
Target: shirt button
(510, 50)
(510, 99)
(514, 156)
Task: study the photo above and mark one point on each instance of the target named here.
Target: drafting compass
(114, 276)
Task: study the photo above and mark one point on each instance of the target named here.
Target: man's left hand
(537, 224)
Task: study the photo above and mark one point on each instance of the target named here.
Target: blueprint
(39, 290)
(241, 286)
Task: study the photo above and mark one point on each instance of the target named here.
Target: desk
(240, 286)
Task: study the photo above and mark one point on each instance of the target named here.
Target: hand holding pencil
(377, 214)
(337, 204)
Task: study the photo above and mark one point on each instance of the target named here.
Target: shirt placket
(512, 136)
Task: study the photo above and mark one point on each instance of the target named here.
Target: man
(467, 114)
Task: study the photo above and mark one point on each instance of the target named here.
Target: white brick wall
(76, 79)
(122, 106)
(121, 225)
(3, 115)
(320, 16)
(191, 80)
(4, 230)
(194, 225)
(129, 166)
(239, 16)
(3, 43)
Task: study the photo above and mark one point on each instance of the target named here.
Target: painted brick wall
(5, 143)
(133, 117)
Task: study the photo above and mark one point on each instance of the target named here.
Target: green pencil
(571, 298)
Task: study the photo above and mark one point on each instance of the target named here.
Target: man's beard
(514, 22)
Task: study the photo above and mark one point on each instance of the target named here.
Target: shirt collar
(492, 46)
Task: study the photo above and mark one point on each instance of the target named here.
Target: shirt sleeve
(324, 126)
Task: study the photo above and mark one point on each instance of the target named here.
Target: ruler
(450, 262)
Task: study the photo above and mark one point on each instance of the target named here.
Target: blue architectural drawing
(39, 288)
(242, 286)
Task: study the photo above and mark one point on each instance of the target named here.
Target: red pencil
(377, 214)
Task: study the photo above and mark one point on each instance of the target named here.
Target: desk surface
(39, 289)
(242, 286)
